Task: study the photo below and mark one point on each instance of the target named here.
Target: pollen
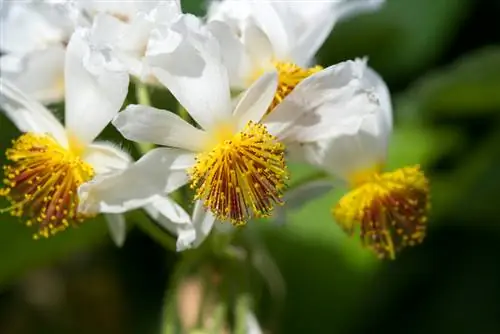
(289, 76)
(242, 176)
(390, 208)
(41, 183)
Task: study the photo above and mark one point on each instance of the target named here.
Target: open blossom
(35, 35)
(389, 208)
(48, 163)
(238, 169)
(34, 38)
(259, 36)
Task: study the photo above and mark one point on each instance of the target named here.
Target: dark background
(441, 60)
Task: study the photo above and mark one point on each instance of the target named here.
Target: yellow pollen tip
(289, 76)
(41, 183)
(242, 176)
(390, 208)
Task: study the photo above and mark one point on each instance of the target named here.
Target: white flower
(33, 39)
(128, 37)
(295, 30)
(235, 164)
(390, 207)
(273, 35)
(51, 160)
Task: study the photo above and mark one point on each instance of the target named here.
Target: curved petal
(203, 221)
(41, 74)
(253, 104)
(333, 100)
(117, 228)
(94, 92)
(348, 153)
(171, 216)
(158, 172)
(259, 48)
(235, 56)
(192, 69)
(29, 115)
(314, 22)
(105, 157)
(375, 82)
(267, 18)
(147, 124)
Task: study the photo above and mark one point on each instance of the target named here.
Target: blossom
(258, 37)
(35, 35)
(236, 165)
(390, 208)
(33, 40)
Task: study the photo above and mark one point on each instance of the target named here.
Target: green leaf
(402, 38)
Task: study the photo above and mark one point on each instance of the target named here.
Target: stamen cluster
(41, 183)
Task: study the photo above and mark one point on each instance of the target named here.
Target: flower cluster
(251, 100)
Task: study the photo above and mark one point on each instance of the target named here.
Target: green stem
(143, 98)
(242, 309)
(154, 231)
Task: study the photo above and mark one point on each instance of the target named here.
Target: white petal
(94, 93)
(235, 56)
(117, 228)
(25, 29)
(252, 324)
(147, 124)
(348, 153)
(375, 82)
(158, 172)
(273, 26)
(203, 222)
(193, 71)
(171, 216)
(259, 48)
(329, 101)
(27, 114)
(105, 157)
(256, 100)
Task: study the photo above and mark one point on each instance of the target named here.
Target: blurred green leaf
(402, 38)
(471, 85)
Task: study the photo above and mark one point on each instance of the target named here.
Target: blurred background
(441, 60)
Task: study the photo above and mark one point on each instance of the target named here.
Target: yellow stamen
(289, 76)
(242, 176)
(42, 181)
(391, 209)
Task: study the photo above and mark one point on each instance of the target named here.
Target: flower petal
(171, 216)
(94, 91)
(41, 74)
(147, 124)
(235, 56)
(348, 153)
(192, 69)
(256, 100)
(313, 23)
(267, 18)
(27, 114)
(105, 157)
(332, 100)
(203, 221)
(158, 172)
(117, 228)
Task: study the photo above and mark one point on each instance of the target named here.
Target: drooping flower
(237, 166)
(257, 36)
(388, 208)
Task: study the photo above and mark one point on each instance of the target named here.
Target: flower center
(243, 176)
(391, 209)
(41, 183)
(289, 76)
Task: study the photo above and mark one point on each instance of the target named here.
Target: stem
(155, 232)
(142, 96)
